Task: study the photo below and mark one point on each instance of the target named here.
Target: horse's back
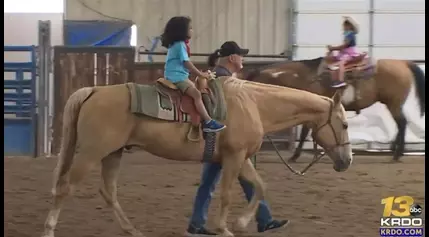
(107, 103)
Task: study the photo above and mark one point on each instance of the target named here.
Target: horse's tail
(68, 141)
(419, 77)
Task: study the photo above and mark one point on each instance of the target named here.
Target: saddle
(185, 104)
(358, 67)
(355, 62)
(163, 100)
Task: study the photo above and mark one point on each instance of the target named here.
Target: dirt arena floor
(157, 195)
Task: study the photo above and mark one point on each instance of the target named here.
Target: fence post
(44, 58)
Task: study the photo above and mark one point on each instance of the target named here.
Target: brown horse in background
(389, 82)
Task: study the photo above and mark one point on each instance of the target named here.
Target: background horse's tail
(68, 141)
(419, 77)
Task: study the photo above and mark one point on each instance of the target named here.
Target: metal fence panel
(20, 118)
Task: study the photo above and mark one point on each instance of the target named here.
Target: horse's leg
(399, 143)
(249, 173)
(110, 172)
(304, 133)
(83, 162)
(231, 165)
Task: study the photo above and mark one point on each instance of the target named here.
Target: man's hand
(205, 75)
(212, 74)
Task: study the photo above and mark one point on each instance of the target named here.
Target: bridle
(317, 156)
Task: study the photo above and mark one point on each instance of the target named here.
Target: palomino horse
(387, 81)
(97, 123)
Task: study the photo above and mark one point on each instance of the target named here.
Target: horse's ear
(337, 97)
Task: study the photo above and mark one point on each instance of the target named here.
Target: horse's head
(331, 133)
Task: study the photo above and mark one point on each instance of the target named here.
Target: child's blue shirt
(350, 36)
(175, 70)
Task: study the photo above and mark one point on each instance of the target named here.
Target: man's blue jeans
(209, 178)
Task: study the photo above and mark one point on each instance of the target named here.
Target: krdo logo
(416, 210)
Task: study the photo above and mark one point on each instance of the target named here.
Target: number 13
(404, 206)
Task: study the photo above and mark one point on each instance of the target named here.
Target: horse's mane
(312, 64)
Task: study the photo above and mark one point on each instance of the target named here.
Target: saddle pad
(360, 69)
(148, 100)
(365, 64)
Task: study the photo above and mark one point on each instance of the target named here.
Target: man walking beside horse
(226, 61)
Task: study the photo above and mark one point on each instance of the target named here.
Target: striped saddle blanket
(360, 67)
(166, 102)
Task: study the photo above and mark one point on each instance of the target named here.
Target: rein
(317, 156)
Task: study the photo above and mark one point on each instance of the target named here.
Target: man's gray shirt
(222, 71)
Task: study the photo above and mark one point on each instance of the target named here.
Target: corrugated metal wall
(260, 25)
(388, 28)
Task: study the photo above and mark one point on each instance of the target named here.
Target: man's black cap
(230, 47)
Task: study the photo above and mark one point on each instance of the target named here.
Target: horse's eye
(345, 125)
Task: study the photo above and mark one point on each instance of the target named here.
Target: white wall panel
(260, 25)
(399, 29)
(324, 29)
(407, 53)
(321, 6)
(399, 5)
(319, 23)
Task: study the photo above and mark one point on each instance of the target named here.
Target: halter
(317, 156)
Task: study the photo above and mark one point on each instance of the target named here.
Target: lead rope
(316, 158)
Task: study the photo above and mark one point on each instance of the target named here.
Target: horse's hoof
(395, 161)
(292, 159)
(48, 233)
(241, 223)
(135, 232)
(227, 233)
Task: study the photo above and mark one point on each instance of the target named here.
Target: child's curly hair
(175, 30)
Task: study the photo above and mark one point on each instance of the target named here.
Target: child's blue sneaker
(212, 126)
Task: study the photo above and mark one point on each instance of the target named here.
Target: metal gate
(27, 100)
(20, 102)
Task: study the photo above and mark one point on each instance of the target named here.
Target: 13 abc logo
(416, 210)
